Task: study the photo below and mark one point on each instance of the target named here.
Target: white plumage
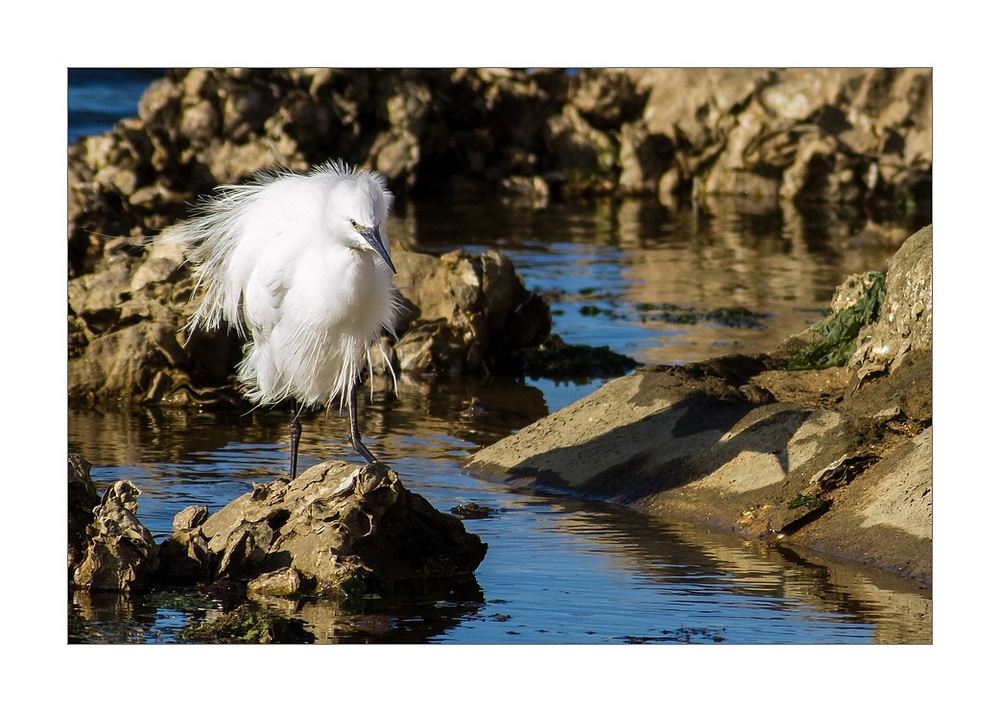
(302, 263)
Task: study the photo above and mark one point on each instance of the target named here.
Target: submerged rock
(248, 623)
(336, 529)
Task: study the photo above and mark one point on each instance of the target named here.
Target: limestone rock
(817, 458)
(465, 314)
(121, 554)
(905, 322)
(335, 529)
(82, 500)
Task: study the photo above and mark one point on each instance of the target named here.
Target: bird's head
(358, 210)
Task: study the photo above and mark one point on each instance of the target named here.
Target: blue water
(558, 570)
(100, 97)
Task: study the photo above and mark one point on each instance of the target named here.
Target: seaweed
(839, 332)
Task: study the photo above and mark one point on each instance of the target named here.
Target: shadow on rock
(320, 551)
(336, 529)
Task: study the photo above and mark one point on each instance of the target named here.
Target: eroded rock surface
(121, 554)
(464, 314)
(838, 460)
(336, 528)
(837, 135)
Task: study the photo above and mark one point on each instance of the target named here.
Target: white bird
(302, 262)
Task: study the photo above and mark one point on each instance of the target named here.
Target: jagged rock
(335, 529)
(121, 554)
(184, 557)
(606, 98)
(465, 314)
(813, 134)
(644, 158)
(905, 321)
(584, 157)
(469, 311)
(804, 134)
(781, 134)
(82, 500)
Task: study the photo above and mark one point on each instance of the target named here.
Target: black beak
(374, 238)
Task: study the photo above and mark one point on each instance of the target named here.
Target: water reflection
(558, 569)
(389, 619)
(618, 255)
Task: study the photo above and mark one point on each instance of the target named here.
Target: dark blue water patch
(97, 98)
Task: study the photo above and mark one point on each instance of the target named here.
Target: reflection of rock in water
(679, 555)
(393, 618)
(337, 531)
(740, 442)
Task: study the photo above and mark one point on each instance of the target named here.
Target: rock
(121, 554)
(558, 360)
(468, 312)
(802, 93)
(396, 155)
(82, 500)
(283, 583)
(584, 156)
(688, 106)
(606, 98)
(731, 173)
(184, 557)
(851, 290)
(858, 135)
(200, 122)
(335, 529)
(249, 623)
(644, 159)
(433, 348)
(528, 191)
(905, 321)
(804, 458)
(812, 134)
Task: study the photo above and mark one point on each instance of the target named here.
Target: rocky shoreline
(858, 136)
(835, 459)
(809, 136)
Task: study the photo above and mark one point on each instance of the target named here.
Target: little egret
(302, 262)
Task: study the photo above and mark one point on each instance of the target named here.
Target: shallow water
(558, 570)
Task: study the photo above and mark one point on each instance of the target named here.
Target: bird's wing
(264, 290)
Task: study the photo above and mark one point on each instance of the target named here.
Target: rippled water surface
(558, 570)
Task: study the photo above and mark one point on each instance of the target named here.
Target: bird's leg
(295, 429)
(352, 411)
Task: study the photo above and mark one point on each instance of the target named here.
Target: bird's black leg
(295, 429)
(352, 411)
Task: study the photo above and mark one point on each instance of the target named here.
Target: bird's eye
(354, 224)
